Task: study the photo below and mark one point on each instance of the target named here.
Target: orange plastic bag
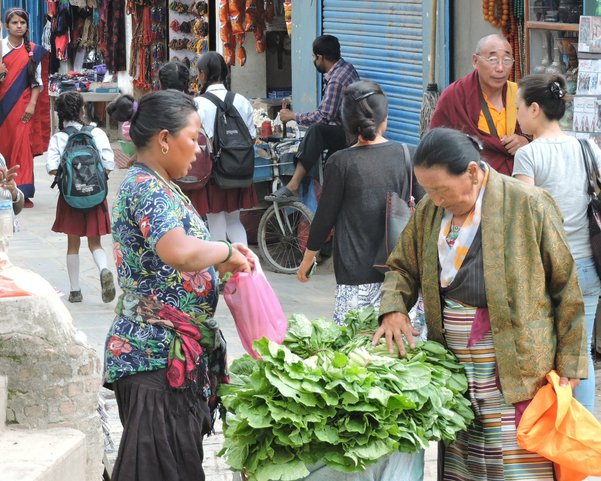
(559, 428)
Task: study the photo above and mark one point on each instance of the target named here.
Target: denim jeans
(591, 288)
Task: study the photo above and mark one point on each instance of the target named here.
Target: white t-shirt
(557, 166)
(58, 142)
(207, 110)
(38, 71)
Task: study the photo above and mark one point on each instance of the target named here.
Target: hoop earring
(165, 150)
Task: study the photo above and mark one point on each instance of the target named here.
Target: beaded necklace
(174, 187)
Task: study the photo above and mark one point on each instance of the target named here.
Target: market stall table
(88, 97)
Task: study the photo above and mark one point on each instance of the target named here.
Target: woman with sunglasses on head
(164, 354)
(554, 161)
(353, 199)
(19, 90)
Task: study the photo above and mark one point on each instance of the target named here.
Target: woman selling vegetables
(500, 288)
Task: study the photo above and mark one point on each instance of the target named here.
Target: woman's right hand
(394, 326)
(238, 262)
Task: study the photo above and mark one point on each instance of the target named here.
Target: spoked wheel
(282, 235)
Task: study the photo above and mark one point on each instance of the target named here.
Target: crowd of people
(497, 246)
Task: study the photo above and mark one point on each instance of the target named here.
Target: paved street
(37, 248)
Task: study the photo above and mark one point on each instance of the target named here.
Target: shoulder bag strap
(487, 116)
(407, 154)
(587, 157)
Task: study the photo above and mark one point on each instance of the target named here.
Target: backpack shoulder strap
(87, 128)
(220, 104)
(70, 130)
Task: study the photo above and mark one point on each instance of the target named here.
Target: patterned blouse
(145, 210)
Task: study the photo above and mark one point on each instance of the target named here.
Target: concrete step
(57, 454)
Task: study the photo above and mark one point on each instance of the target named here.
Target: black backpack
(233, 146)
(81, 177)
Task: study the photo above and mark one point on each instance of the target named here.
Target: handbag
(201, 168)
(594, 205)
(559, 428)
(398, 212)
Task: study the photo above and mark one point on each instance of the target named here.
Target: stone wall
(53, 376)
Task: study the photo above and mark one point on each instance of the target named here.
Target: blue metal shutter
(384, 41)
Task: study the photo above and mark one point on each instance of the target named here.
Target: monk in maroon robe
(483, 104)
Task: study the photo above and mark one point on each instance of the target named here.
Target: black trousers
(320, 137)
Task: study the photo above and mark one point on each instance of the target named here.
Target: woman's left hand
(564, 381)
(242, 260)
(29, 111)
(305, 266)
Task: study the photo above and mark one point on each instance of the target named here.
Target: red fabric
(213, 199)
(83, 223)
(480, 326)
(459, 108)
(40, 122)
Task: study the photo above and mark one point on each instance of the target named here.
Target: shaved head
(482, 44)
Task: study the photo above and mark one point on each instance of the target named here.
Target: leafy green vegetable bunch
(327, 395)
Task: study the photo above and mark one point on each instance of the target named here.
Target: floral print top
(146, 208)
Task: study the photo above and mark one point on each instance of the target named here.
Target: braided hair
(68, 108)
(31, 65)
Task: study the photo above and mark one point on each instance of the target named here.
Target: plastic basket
(128, 148)
(263, 169)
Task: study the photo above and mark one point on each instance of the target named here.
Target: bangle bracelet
(230, 251)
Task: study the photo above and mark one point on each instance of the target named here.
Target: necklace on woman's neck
(12, 46)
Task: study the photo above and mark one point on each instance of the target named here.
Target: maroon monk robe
(459, 108)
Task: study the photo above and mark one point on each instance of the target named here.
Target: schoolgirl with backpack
(80, 157)
(230, 187)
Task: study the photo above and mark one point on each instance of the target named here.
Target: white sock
(100, 259)
(234, 228)
(217, 226)
(73, 271)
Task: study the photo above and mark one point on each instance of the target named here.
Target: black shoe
(75, 296)
(283, 194)
(107, 285)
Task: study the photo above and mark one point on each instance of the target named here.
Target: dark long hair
(156, 111)
(31, 64)
(364, 108)
(174, 75)
(548, 91)
(68, 107)
(447, 148)
(215, 69)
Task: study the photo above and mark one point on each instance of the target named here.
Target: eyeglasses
(494, 61)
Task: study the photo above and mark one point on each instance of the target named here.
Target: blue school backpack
(81, 177)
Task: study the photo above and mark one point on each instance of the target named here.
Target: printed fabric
(146, 208)
(452, 255)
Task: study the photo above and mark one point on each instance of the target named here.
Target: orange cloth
(504, 120)
(559, 428)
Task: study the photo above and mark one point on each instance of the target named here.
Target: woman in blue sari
(19, 92)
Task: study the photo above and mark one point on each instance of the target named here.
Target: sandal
(283, 194)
